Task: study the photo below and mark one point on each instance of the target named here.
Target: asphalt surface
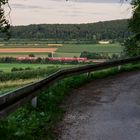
(104, 109)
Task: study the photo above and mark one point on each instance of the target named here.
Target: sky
(26, 12)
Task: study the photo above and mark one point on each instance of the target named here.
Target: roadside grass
(34, 124)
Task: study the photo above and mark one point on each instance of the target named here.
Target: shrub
(31, 55)
(14, 69)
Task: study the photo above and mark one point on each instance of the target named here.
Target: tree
(132, 44)
(50, 55)
(4, 23)
(135, 20)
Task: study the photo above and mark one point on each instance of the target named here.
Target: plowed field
(20, 50)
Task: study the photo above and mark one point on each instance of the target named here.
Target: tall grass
(6, 86)
(26, 74)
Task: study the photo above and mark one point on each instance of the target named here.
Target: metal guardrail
(11, 101)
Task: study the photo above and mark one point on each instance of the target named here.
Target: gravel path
(104, 109)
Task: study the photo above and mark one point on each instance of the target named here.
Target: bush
(7, 59)
(28, 68)
(14, 69)
(132, 46)
(31, 55)
(92, 55)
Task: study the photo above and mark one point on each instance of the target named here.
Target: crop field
(63, 54)
(17, 52)
(26, 50)
(59, 50)
(24, 54)
(30, 45)
(98, 48)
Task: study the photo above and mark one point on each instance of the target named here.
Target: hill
(116, 30)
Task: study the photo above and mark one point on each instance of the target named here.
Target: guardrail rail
(9, 102)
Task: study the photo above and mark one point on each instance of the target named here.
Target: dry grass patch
(17, 83)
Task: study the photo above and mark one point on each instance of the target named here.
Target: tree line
(107, 30)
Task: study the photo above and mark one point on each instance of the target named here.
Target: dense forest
(115, 30)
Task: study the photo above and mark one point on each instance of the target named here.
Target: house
(104, 42)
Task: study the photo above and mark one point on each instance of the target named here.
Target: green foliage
(135, 20)
(92, 55)
(4, 23)
(78, 33)
(31, 55)
(7, 59)
(132, 44)
(49, 54)
(20, 69)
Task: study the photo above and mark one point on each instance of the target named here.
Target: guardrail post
(34, 102)
(88, 74)
(119, 67)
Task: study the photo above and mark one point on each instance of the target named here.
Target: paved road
(105, 109)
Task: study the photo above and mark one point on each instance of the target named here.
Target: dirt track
(105, 109)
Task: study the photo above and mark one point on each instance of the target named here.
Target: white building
(104, 42)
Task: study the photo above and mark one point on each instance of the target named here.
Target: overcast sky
(26, 12)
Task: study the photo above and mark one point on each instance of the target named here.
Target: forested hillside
(117, 29)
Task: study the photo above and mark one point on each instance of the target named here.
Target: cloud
(59, 11)
(97, 1)
(23, 6)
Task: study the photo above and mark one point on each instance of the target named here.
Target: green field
(98, 48)
(63, 54)
(68, 50)
(6, 67)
